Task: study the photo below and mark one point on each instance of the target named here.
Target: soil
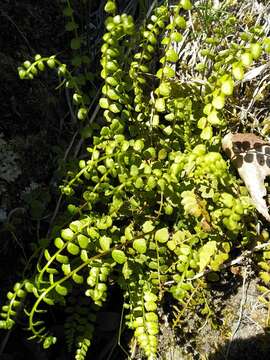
(241, 334)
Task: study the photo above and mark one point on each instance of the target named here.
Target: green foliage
(263, 260)
(79, 325)
(29, 70)
(142, 316)
(9, 311)
(156, 203)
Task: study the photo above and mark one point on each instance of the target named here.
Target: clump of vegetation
(154, 203)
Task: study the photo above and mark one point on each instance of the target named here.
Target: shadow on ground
(252, 348)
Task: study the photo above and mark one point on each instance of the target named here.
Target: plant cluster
(154, 203)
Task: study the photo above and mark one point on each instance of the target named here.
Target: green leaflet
(162, 235)
(140, 246)
(61, 290)
(119, 256)
(205, 254)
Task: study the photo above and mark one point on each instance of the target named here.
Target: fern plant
(154, 203)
